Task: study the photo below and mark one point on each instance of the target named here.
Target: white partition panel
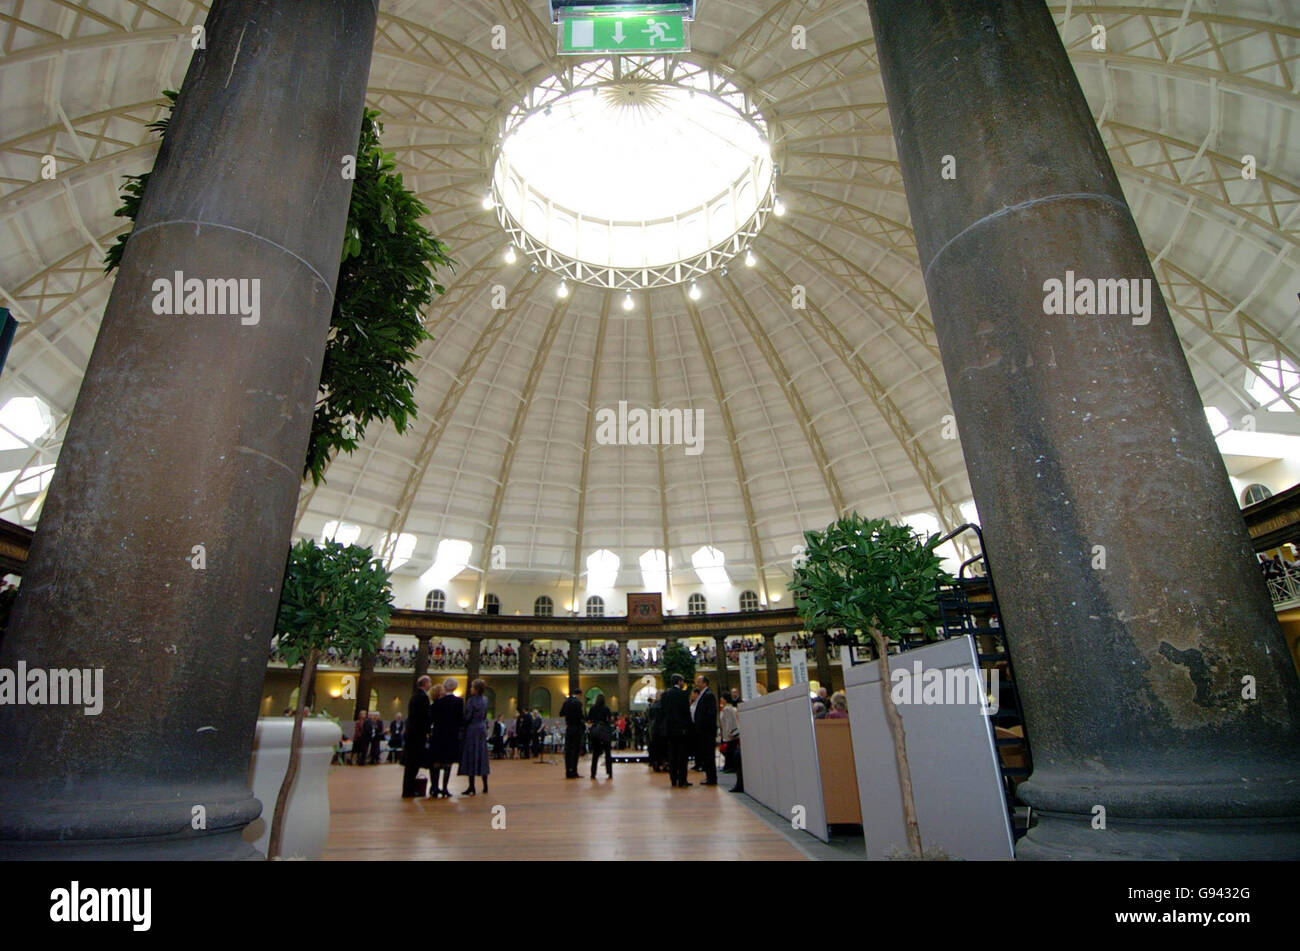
(956, 778)
(778, 751)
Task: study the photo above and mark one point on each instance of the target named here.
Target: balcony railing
(546, 661)
(1283, 586)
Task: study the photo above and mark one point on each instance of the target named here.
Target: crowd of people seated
(501, 657)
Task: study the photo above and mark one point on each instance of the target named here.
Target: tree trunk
(895, 720)
(295, 753)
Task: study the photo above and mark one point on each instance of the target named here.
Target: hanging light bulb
(562, 290)
(778, 208)
(628, 303)
(487, 202)
(695, 292)
(750, 260)
(510, 255)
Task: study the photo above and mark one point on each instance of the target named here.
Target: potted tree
(677, 659)
(333, 597)
(874, 577)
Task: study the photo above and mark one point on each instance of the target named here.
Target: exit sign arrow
(618, 32)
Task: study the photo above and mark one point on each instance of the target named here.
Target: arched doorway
(539, 699)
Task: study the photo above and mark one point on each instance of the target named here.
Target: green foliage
(677, 659)
(386, 281)
(332, 597)
(864, 574)
(133, 190)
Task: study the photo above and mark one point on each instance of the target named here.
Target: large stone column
(189, 431)
(624, 680)
(720, 645)
(575, 668)
(421, 658)
(525, 670)
(1129, 590)
(474, 661)
(773, 677)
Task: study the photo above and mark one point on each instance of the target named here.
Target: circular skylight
(634, 173)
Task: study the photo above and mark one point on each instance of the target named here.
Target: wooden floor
(635, 816)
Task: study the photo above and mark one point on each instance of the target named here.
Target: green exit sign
(642, 33)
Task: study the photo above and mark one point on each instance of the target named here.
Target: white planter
(307, 816)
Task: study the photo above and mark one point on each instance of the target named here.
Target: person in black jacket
(416, 734)
(523, 733)
(571, 711)
(601, 736)
(374, 731)
(396, 733)
(447, 734)
(676, 706)
(658, 736)
(706, 731)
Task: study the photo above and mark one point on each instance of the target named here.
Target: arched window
(697, 604)
(595, 606)
(1255, 492)
(491, 604)
(435, 600)
(644, 697)
(748, 601)
(543, 607)
(539, 698)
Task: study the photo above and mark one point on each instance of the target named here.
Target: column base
(1058, 836)
(225, 846)
(129, 828)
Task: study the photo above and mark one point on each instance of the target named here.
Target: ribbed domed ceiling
(806, 411)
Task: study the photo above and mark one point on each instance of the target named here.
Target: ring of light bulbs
(686, 271)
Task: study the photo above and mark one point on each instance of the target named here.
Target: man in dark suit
(573, 727)
(523, 733)
(676, 705)
(416, 734)
(706, 731)
(538, 731)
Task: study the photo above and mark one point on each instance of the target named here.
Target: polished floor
(634, 816)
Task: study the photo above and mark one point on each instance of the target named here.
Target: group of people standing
(689, 723)
(442, 731)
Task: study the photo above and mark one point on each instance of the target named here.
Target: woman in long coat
(474, 754)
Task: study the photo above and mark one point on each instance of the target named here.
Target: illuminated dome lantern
(634, 172)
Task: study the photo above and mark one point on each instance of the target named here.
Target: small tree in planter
(333, 597)
(677, 659)
(879, 578)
